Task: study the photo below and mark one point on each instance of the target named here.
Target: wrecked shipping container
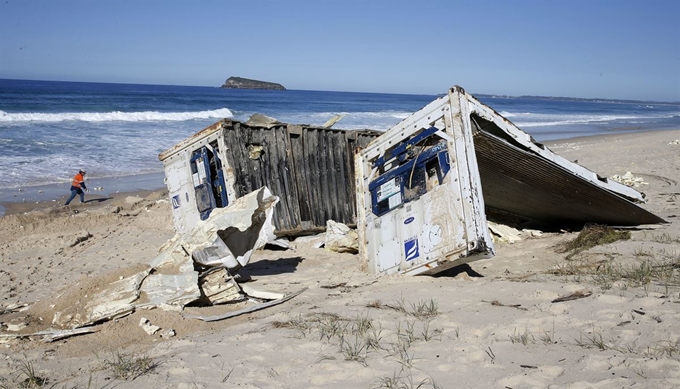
(426, 186)
(310, 168)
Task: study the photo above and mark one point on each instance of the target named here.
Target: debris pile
(629, 179)
(197, 268)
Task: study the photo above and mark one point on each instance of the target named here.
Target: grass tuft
(128, 367)
(405, 381)
(592, 235)
(522, 338)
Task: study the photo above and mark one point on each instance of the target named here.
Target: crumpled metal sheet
(231, 234)
(114, 301)
(171, 281)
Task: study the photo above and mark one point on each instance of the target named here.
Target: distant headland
(245, 83)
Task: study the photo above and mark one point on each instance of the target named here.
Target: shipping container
(311, 170)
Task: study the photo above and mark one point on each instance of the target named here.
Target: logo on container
(175, 202)
(409, 220)
(411, 249)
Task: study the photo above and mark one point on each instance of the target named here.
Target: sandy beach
(606, 317)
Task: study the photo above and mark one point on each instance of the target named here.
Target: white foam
(528, 119)
(149, 116)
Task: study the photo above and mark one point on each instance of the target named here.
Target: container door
(208, 181)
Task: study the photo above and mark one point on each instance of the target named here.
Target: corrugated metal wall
(311, 169)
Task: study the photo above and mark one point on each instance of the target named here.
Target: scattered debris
(332, 121)
(50, 335)
(148, 327)
(317, 241)
(17, 325)
(245, 310)
(532, 233)
(499, 304)
(261, 294)
(629, 179)
(340, 238)
(15, 307)
(258, 119)
(504, 233)
(674, 142)
(218, 247)
(579, 294)
(219, 287)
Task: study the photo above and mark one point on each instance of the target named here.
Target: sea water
(49, 130)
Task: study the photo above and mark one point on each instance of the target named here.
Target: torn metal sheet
(173, 282)
(229, 237)
(505, 233)
(111, 302)
(245, 310)
(50, 335)
(169, 289)
(261, 294)
(340, 238)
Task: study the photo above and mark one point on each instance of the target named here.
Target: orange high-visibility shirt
(77, 180)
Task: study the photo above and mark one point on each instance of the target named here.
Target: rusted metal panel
(324, 175)
(260, 157)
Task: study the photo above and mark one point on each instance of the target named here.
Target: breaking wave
(146, 116)
(528, 119)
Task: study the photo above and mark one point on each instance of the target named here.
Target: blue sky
(578, 48)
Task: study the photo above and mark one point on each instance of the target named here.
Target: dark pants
(76, 191)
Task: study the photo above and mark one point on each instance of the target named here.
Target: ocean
(49, 130)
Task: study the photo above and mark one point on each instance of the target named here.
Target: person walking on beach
(77, 187)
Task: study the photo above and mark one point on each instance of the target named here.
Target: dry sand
(492, 324)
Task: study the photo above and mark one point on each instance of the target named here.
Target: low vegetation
(128, 367)
(359, 337)
(26, 377)
(592, 235)
(643, 268)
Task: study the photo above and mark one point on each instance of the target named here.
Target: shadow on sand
(268, 267)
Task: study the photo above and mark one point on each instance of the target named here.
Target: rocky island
(245, 83)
